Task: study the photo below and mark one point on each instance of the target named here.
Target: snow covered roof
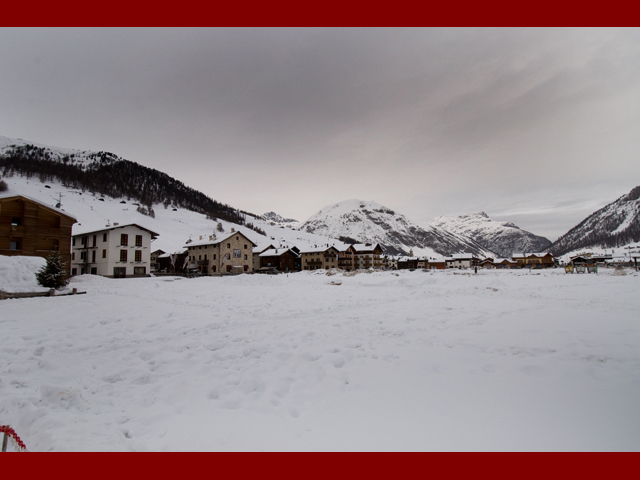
(527, 255)
(461, 256)
(276, 252)
(168, 254)
(315, 248)
(9, 196)
(214, 240)
(80, 231)
(365, 247)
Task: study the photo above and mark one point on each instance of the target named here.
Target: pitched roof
(366, 247)
(57, 211)
(216, 240)
(317, 249)
(277, 252)
(113, 227)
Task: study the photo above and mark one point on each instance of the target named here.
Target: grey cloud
(430, 121)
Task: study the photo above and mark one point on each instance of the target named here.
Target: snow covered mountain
(615, 225)
(83, 183)
(279, 220)
(367, 221)
(503, 238)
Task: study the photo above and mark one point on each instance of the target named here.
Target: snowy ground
(501, 360)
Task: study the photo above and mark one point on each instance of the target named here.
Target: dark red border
(326, 465)
(344, 13)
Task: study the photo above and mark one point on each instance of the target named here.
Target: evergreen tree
(52, 275)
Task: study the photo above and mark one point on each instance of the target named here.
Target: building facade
(368, 256)
(228, 254)
(116, 251)
(316, 258)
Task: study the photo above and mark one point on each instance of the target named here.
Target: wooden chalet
(29, 227)
(533, 260)
(282, 259)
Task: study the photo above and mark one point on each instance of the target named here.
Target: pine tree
(52, 275)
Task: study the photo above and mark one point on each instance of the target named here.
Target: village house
(173, 262)
(319, 257)
(462, 260)
(153, 260)
(29, 227)
(229, 253)
(116, 251)
(282, 259)
(257, 250)
(498, 263)
(408, 263)
(533, 260)
(346, 257)
(368, 256)
(437, 263)
(390, 262)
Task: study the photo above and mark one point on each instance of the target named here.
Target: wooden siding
(34, 230)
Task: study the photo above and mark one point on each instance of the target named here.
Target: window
(138, 240)
(95, 240)
(124, 239)
(199, 257)
(93, 256)
(123, 255)
(15, 221)
(236, 254)
(245, 246)
(73, 256)
(205, 256)
(104, 253)
(104, 237)
(214, 256)
(83, 255)
(228, 245)
(84, 241)
(139, 270)
(74, 271)
(138, 255)
(245, 257)
(74, 241)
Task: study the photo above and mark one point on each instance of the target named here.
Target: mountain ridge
(369, 221)
(614, 225)
(503, 238)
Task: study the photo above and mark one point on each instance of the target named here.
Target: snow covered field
(501, 360)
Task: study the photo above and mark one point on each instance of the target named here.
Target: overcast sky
(540, 127)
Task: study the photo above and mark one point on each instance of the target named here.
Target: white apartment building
(462, 260)
(116, 251)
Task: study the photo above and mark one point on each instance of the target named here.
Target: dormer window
(16, 221)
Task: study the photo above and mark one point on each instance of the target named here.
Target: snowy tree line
(107, 174)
